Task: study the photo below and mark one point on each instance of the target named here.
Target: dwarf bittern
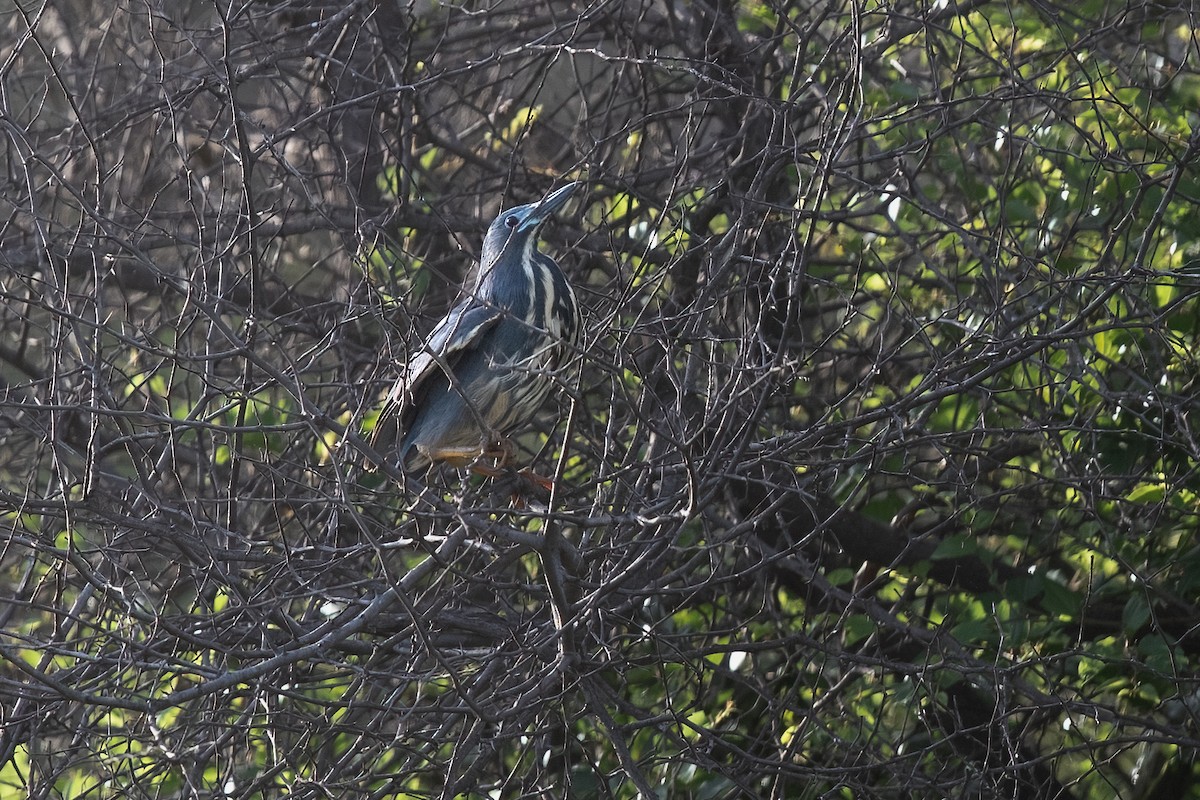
(488, 366)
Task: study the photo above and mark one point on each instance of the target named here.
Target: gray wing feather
(459, 330)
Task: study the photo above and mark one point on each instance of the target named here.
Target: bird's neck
(508, 280)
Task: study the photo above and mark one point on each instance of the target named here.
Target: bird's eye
(512, 221)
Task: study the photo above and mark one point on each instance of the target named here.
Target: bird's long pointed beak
(555, 200)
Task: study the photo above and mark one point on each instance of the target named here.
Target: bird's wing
(459, 330)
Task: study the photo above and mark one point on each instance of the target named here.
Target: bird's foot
(522, 486)
(500, 451)
(488, 470)
(541, 481)
(493, 462)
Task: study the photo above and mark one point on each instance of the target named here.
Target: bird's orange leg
(474, 459)
(503, 451)
(457, 457)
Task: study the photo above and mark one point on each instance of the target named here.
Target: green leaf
(858, 627)
(1136, 613)
(977, 632)
(1157, 653)
(1058, 599)
(956, 546)
(1148, 493)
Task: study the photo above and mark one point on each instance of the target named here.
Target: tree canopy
(874, 473)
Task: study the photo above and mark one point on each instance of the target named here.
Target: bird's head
(516, 229)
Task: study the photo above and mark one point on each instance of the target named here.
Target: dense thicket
(877, 476)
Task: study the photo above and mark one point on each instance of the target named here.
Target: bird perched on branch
(487, 367)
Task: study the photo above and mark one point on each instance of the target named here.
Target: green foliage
(927, 273)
